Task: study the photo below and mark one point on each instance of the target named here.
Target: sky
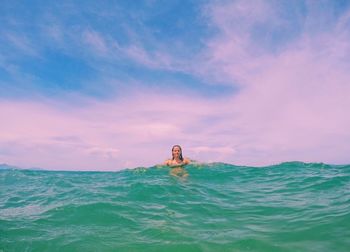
(108, 85)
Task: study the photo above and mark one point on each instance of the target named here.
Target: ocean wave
(291, 206)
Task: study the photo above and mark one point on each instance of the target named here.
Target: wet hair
(181, 158)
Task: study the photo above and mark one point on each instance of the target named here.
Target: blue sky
(67, 46)
(114, 84)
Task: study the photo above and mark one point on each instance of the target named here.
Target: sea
(292, 206)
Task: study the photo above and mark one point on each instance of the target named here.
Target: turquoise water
(218, 207)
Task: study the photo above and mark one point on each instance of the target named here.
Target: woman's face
(176, 152)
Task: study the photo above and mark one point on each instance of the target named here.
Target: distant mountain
(34, 168)
(6, 166)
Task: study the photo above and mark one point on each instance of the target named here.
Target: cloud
(135, 131)
(95, 40)
(108, 153)
(22, 44)
(155, 60)
(217, 152)
(292, 102)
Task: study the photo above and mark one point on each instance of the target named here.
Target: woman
(177, 162)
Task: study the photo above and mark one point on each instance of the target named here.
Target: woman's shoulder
(167, 162)
(187, 160)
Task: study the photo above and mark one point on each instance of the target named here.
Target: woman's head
(177, 152)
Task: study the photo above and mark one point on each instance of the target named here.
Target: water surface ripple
(219, 207)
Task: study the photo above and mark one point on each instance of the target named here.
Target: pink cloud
(293, 103)
(136, 131)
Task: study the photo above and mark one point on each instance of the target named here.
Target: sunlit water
(218, 207)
